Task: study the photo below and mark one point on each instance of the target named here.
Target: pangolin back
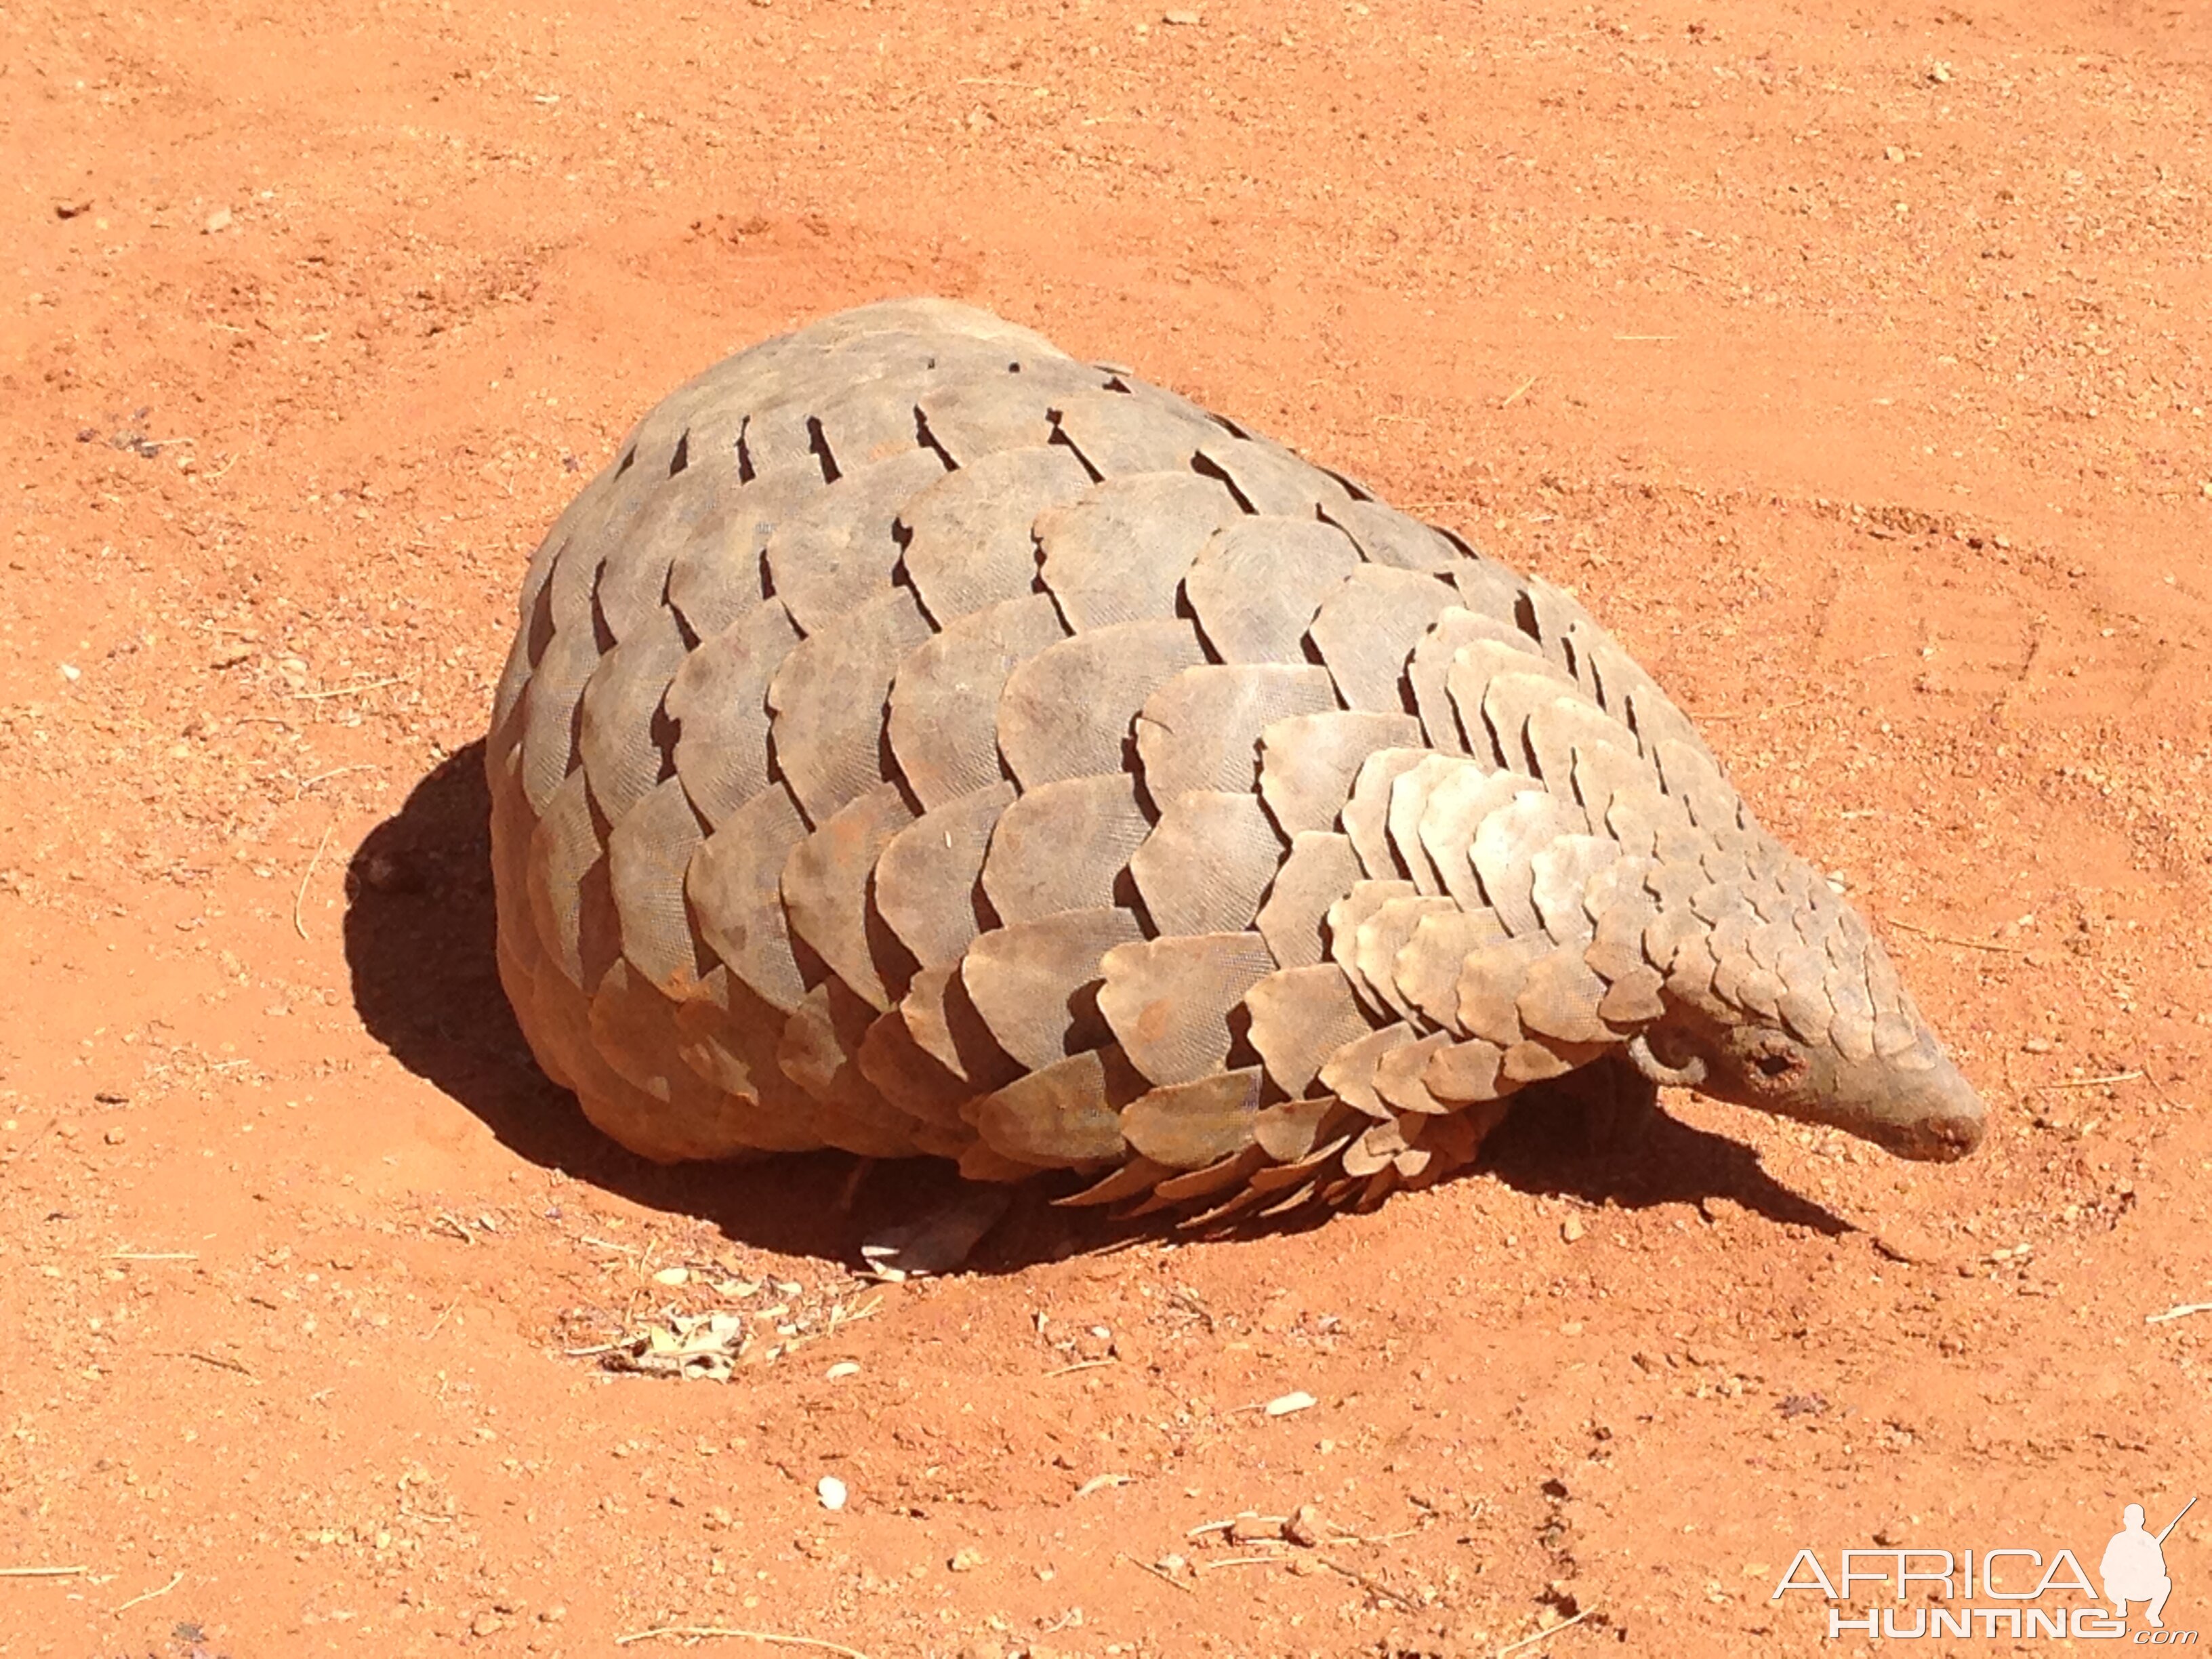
(920, 742)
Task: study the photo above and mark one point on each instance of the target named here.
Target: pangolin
(918, 741)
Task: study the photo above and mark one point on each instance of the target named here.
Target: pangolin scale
(918, 741)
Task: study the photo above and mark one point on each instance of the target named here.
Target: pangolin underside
(921, 742)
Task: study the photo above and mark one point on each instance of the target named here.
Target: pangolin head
(1821, 1032)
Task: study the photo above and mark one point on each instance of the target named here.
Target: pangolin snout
(1933, 1115)
(1914, 1103)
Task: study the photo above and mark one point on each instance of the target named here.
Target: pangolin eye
(1777, 1062)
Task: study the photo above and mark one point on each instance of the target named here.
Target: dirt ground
(1849, 360)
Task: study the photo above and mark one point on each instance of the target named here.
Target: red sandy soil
(1849, 360)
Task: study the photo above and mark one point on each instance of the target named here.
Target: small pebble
(1572, 1229)
(218, 221)
(831, 1491)
(1901, 1240)
(1284, 1405)
(964, 1560)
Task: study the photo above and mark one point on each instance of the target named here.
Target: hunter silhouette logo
(2134, 1567)
(2005, 1592)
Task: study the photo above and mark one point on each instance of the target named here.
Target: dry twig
(214, 1359)
(1953, 939)
(349, 690)
(702, 1632)
(151, 1594)
(1753, 713)
(1168, 1579)
(43, 1572)
(306, 784)
(2180, 1310)
(1374, 1587)
(1343, 1537)
(1531, 1641)
(2093, 1081)
(300, 898)
(1203, 1528)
